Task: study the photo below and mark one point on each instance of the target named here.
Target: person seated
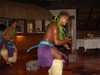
(90, 35)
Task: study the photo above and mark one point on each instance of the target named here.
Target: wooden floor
(87, 64)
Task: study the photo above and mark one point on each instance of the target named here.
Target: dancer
(7, 43)
(48, 55)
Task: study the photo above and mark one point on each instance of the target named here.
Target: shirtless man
(48, 55)
(9, 39)
(51, 36)
(10, 32)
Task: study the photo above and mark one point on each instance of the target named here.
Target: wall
(28, 40)
(38, 24)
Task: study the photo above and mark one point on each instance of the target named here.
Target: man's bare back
(49, 33)
(51, 36)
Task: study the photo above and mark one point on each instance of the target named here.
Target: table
(88, 43)
(80, 43)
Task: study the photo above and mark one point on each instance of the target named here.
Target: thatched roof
(23, 11)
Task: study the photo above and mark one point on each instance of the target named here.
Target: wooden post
(25, 26)
(43, 25)
(34, 30)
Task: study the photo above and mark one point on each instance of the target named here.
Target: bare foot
(7, 62)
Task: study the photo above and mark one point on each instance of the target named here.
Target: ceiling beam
(63, 4)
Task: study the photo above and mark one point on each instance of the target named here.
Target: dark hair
(64, 13)
(2, 27)
(12, 21)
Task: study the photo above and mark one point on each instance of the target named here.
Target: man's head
(13, 23)
(64, 17)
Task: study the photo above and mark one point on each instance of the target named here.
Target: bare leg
(56, 54)
(7, 62)
(56, 67)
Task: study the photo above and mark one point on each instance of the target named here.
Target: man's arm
(4, 34)
(67, 46)
(56, 38)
